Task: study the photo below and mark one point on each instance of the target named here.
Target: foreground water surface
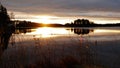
(47, 47)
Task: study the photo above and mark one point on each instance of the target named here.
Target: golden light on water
(106, 31)
(46, 32)
(49, 32)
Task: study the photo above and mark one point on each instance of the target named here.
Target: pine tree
(4, 17)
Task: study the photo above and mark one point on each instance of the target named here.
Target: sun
(49, 19)
(45, 19)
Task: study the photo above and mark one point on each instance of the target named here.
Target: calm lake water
(91, 34)
(84, 47)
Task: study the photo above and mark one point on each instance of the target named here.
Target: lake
(54, 47)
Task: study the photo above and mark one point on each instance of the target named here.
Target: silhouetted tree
(78, 22)
(82, 22)
(6, 29)
(4, 17)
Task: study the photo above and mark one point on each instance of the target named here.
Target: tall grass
(49, 52)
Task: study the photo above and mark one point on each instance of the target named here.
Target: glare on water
(48, 32)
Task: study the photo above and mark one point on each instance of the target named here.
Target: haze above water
(88, 47)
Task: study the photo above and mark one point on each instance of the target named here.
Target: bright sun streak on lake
(48, 32)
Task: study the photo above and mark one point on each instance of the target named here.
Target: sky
(64, 11)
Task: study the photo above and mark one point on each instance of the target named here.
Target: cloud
(65, 8)
(62, 5)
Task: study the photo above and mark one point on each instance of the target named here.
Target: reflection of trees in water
(4, 38)
(6, 29)
(81, 31)
(22, 30)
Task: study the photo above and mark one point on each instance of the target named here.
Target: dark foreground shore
(51, 53)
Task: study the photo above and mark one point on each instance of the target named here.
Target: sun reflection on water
(49, 32)
(46, 32)
(106, 31)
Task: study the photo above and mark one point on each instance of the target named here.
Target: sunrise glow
(49, 19)
(106, 31)
(45, 19)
